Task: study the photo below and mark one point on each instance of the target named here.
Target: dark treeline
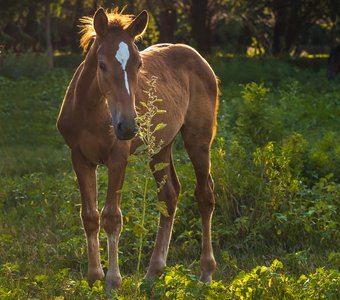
(270, 27)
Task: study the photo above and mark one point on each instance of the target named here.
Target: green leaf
(139, 230)
(160, 166)
(161, 206)
(141, 148)
(160, 126)
(41, 278)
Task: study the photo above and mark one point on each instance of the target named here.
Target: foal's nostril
(120, 126)
(126, 130)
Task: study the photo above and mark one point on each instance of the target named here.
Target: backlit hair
(116, 21)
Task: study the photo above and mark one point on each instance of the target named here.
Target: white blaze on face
(122, 56)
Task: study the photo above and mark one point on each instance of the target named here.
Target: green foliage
(31, 65)
(322, 284)
(261, 283)
(269, 180)
(232, 26)
(253, 111)
(274, 164)
(244, 70)
(177, 282)
(146, 128)
(271, 283)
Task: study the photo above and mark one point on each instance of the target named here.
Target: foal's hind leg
(199, 153)
(169, 193)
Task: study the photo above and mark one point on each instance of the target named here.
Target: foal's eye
(102, 66)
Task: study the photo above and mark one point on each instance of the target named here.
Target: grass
(275, 229)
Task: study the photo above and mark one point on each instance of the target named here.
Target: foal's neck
(87, 91)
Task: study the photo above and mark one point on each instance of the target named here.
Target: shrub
(253, 121)
(178, 283)
(28, 65)
(271, 283)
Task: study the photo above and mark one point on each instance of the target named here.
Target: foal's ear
(138, 25)
(100, 22)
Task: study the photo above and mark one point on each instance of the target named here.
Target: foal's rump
(186, 84)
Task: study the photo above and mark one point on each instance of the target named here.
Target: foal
(97, 121)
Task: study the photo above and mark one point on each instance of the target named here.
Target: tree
(279, 26)
(199, 25)
(78, 13)
(49, 48)
(167, 21)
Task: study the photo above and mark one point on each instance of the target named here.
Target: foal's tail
(217, 104)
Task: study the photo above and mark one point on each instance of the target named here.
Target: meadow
(275, 163)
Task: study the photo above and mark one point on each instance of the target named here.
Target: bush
(178, 283)
(28, 65)
(271, 283)
(267, 180)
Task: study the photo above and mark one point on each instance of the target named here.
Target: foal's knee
(112, 221)
(90, 220)
(170, 194)
(205, 197)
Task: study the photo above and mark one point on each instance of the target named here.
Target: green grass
(275, 165)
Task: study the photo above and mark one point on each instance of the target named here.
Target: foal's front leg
(86, 174)
(111, 215)
(169, 192)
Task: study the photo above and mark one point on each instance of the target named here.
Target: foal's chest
(95, 144)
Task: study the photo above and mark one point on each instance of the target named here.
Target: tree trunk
(295, 20)
(78, 13)
(167, 24)
(31, 25)
(289, 24)
(131, 7)
(94, 6)
(281, 17)
(49, 48)
(199, 29)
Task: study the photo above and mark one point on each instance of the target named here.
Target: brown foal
(97, 121)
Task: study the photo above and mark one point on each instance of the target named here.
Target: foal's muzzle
(126, 130)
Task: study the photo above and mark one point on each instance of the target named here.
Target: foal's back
(186, 84)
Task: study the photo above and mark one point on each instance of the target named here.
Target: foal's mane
(116, 21)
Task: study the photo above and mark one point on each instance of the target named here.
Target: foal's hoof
(113, 282)
(155, 269)
(205, 278)
(150, 275)
(95, 275)
(208, 266)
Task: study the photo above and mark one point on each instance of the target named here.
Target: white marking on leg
(122, 56)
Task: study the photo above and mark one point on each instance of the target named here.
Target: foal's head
(118, 64)
(333, 63)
